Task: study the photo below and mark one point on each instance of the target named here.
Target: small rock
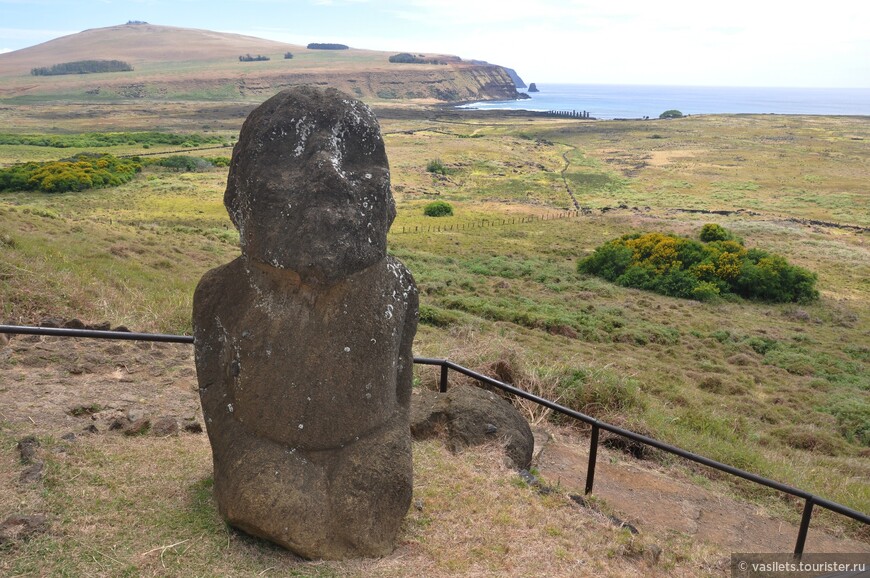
(418, 504)
(122, 329)
(652, 554)
(114, 349)
(18, 527)
(92, 429)
(51, 322)
(138, 427)
(74, 324)
(165, 426)
(27, 448)
(193, 427)
(528, 478)
(135, 414)
(70, 437)
(84, 410)
(119, 423)
(32, 474)
(103, 326)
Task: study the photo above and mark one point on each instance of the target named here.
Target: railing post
(805, 527)
(593, 456)
(442, 385)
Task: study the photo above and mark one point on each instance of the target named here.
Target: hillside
(782, 390)
(182, 63)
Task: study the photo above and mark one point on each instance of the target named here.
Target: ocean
(635, 101)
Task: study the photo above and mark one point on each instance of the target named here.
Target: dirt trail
(657, 500)
(57, 386)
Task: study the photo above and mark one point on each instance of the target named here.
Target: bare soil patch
(658, 500)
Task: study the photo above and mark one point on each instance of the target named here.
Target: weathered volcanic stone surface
(309, 185)
(303, 344)
(468, 416)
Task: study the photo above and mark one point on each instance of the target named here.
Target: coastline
(634, 102)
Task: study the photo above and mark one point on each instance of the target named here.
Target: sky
(792, 43)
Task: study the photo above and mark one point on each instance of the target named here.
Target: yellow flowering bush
(682, 267)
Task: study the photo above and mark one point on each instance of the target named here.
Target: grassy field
(781, 390)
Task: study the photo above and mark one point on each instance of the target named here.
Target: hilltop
(171, 63)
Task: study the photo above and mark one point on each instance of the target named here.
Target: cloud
(5, 50)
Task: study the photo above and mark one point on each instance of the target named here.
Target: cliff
(182, 63)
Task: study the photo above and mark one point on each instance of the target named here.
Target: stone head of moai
(309, 185)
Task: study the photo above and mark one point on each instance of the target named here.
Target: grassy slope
(187, 64)
(706, 381)
(694, 374)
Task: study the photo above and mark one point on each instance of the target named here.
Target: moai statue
(303, 343)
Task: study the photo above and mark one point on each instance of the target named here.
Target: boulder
(468, 416)
(303, 343)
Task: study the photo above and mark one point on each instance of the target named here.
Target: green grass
(782, 390)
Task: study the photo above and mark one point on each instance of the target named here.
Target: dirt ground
(57, 386)
(655, 499)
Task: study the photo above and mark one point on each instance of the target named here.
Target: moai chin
(303, 343)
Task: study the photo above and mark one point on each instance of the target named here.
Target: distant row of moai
(569, 113)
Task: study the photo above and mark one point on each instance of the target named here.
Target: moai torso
(310, 369)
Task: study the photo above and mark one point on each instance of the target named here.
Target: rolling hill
(172, 63)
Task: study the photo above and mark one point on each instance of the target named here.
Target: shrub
(82, 67)
(599, 393)
(327, 46)
(713, 232)
(249, 58)
(672, 113)
(107, 139)
(853, 418)
(770, 278)
(183, 163)
(681, 267)
(436, 166)
(438, 209)
(405, 58)
(609, 261)
(82, 171)
(288, 55)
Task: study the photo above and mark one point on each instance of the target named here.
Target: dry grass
(116, 511)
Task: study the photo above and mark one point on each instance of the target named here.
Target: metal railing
(810, 500)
